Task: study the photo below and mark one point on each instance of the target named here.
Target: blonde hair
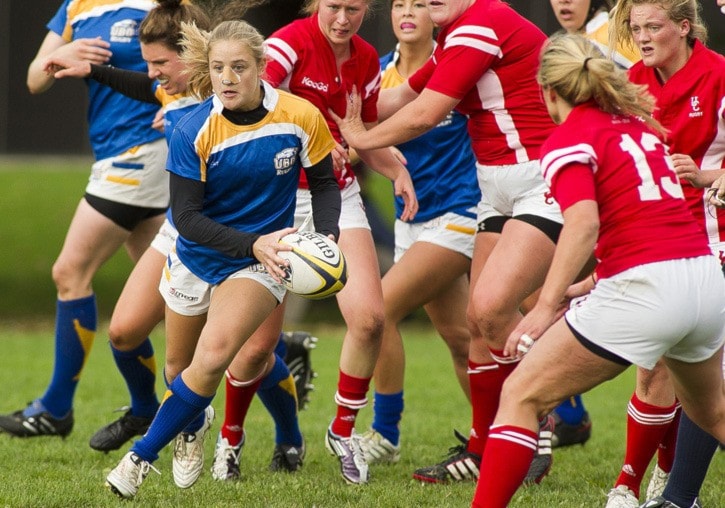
(677, 11)
(311, 6)
(197, 44)
(579, 72)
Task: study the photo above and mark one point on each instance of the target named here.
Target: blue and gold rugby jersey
(116, 122)
(174, 106)
(440, 162)
(251, 171)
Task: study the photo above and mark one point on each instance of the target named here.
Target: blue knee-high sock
(138, 368)
(194, 424)
(388, 411)
(277, 393)
(181, 405)
(281, 348)
(693, 454)
(75, 329)
(571, 410)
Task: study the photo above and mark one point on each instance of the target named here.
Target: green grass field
(47, 472)
(39, 199)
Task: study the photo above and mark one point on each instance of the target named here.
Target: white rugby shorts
(188, 295)
(136, 177)
(671, 308)
(165, 239)
(515, 189)
(452, 231)
(352, 210)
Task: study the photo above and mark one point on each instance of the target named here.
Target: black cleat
(115, 434)
(461, 465)
(287, 458)
(299, 345)
(40, 424)
(567, 435)
(541, 463)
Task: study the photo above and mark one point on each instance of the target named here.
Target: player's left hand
(686, 169)
(158, 121)
(403, 187)
(265, 249)
(351, 126)
(529, 330)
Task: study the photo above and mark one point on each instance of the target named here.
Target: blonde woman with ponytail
(688, 82)
(657, 290)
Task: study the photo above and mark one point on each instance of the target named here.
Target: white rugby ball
(317, 268)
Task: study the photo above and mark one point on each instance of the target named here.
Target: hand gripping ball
(317, 268)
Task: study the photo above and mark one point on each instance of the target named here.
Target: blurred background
(54, 123)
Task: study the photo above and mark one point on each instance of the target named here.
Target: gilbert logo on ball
(317, 268)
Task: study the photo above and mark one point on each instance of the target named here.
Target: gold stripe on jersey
(84, 9)
(289, 114)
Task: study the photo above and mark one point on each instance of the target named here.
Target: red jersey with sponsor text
(691, 106)
(300, 59)
(488, 59)
(642, 212)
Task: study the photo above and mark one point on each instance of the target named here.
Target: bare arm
(384, 161)
(41, 79)
(573, 250)
(393, 99)
(415, 118)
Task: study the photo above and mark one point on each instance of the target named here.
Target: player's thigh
(515, 268)
(360, 301)
(90, 241)
(256, 351)
(142, 236)
(447, 312)
(423, 273)
(140, 306)
(557, 367)
(699, 387)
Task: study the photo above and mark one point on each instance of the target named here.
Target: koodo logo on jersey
(317, 85)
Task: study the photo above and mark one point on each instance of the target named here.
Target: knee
(368, 327)
(457, 338)
(123, 336)
(63, 276)
(487, 318)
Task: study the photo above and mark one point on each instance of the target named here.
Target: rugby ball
(317, 268)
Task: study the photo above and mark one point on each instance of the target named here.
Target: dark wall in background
(54, 122)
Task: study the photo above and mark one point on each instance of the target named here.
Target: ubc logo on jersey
(317, 85)
(695, 106)
(124, 31)
(285, 160)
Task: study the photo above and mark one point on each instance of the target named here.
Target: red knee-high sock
(486, 381)
(350, 398)
(666, 450)
(646, 427)
(239, 395)
(509, 445)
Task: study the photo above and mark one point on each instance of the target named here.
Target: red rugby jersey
(691, 105)
(300, 59)
(642, 212)
(488, 59)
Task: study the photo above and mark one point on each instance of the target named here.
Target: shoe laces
(139, 470)
(225, 456)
